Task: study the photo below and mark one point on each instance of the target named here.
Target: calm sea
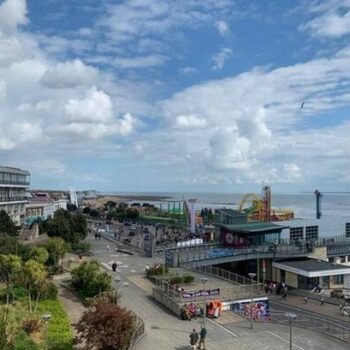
(303, 204)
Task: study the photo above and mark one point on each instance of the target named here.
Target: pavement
(165, 331)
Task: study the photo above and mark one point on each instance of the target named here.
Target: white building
(13, 185)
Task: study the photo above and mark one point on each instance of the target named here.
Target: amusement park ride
(260, 208)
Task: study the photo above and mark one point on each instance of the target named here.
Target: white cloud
(11, 50)
(6, 144)
(188, 70)
(96, 106)
(69, 74)
(332, 20)
(189, 121)
(12, 14)
(2, 92)
(140, 62)
(222, 27)
(221, 57)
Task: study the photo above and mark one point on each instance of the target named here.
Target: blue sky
(188, 95)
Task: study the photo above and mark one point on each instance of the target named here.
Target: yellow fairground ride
(260, 208)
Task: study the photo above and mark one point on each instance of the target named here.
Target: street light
(252, 276)
(46, 318)
(290, 317)
(204, 281)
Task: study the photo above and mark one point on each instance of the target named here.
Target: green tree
(132, 214)
(105, 327)
(39, 254)
(56, 247)
(8, 328)
(6, 224)
(10, 266)
(33, 279)
(89, 280)
(86, 210)
(72, 227)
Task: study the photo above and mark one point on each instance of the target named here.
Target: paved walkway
(166, 331)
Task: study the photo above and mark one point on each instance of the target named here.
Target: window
(296, 233)
(342, 259)
(347, 229)
(339, 279)
(331, 260)
(311, 233)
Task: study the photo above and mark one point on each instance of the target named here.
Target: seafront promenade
(165, 331)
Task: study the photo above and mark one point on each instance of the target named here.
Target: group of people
(197, 341)
(97, 236)
(276, 288)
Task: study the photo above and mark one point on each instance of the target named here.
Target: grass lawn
(60, 332)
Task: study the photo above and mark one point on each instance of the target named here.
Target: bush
(188, 279)
(176, 280)
(158, 270)
(31, 325)
(49, 291)
(80, 248)
(23, 342)
(16, 293)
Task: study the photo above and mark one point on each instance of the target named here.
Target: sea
(303, 204)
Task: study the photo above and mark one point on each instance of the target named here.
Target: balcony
(13, 199)
(14, 183)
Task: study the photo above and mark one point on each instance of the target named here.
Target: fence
(336, 329)
(138, 333)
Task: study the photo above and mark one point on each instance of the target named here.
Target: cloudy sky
(186, 95)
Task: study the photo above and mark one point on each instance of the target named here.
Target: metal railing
(251, 252)
(13, 199)
(138, 333)
(15, 183)
(332, 328)
(190, 295)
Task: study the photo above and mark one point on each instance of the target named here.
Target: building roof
(12, 170)
(253, 227)
(312, 267)
(230, 212)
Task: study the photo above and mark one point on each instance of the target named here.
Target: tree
(8, 328)
(39, 254)
(132, 214)
(105, 327)
(89, 280)
(10, 266)
(72, 227)
(72, 207)
(33, 279)
(56, 247)
(94, 213)
(6, 224)
(86, 210)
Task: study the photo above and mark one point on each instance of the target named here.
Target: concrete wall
(291, 279)
(166, 301)
(320, 253)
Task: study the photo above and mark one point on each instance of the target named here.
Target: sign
(200, 293)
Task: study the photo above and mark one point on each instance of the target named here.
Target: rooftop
(312, 267)
(253, 227)
(12, 170)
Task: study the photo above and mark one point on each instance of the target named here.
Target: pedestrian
(114, 266)
(147, 270)
(194, 339)
(99, 236)
(96, 236)
(305, 300)
(107, 247)
(322, 301)
(203, 334)
(116, 250)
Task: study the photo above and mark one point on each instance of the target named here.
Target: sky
(176, 96)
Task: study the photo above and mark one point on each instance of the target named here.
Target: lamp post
(290, 317)
(46, 318)
(204, 281)
(252, 276)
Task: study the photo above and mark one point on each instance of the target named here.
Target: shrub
(80, 248)
(188, 279)
(23, 342)
(158, 270)
(31, 325)
(49, 291)
(176, 280)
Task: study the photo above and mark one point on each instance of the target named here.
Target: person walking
(203, 334)
(114, 266)
(194, 339)
(107, 247)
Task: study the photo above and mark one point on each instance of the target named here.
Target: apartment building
(13, 198)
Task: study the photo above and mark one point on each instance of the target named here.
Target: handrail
(139, 332)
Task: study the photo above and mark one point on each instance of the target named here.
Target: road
(166, 331)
